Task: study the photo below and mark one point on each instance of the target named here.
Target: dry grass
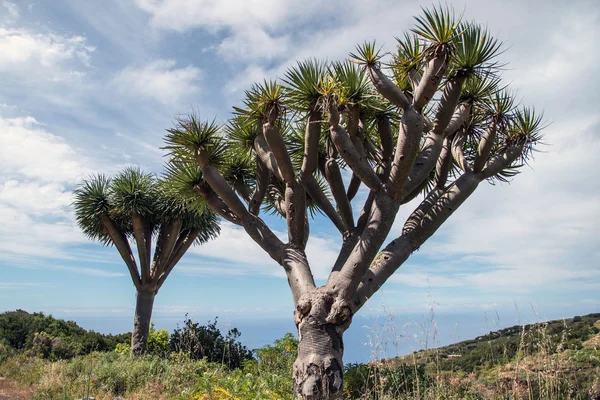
(10, 390)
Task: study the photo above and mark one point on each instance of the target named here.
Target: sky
(90, 86)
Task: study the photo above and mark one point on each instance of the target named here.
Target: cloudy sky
(90, 86)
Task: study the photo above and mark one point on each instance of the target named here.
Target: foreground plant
(139, 207)
(437, 127)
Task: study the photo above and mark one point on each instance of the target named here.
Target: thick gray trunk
(141, 322)
(318, 370)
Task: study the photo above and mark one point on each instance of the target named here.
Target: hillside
(501, 346)
(551, 360)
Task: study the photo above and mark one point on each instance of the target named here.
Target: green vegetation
(51, 338)
(551, 360)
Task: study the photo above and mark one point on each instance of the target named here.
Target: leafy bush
(158, 341)
(123, 349)
(207, 341)
(59, 339)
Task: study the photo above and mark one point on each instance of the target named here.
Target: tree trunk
(318, 370)
(141, 322)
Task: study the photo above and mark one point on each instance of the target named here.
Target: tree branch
(485, 147)
(184, 242)
(397, 251)
(311, 145)
(167, 237)
(317, 195)
(295, 213)
(262, 182)
(349, 153)
(142, 235)
(457, 150)
(122, 245)
(428, 85)
(501, 161)
(266, 156)
(387, 88)
(279, 151)
(217, 205)
(409, 138)
(298, 272)
(336, 185)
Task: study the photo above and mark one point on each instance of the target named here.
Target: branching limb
(428, 85)
(317, 195)
(409, 138)
(384, 128)
(395, 253)
(253, 225)
(167, 237)
(457, 150)
(349, 153)
(423, 165)
(336, 185)
(381, 218)
(501, 161)
(298, 272)
(447, 107)
(279, 150)
(122, 244)
(266, 156)
(220, 185)
(295, 213)
(458, 118)
(143, 238)
(485, 147)
(353, 187)
(243, 190)
(444, 162)
(184, 242)
(387, 88)
(262, 182)
(311, 145)
(217, 205)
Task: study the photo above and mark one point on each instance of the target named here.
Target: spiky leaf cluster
(134, 191)
(469, 51)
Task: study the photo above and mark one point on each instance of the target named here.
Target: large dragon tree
(431, 123)
(136, 206)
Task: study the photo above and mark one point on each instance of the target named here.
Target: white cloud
(212, 14)
(538, 233)
(35, 197)
(42, 55)
(27, 150)
(251, 44)
(35, 191)
(235, 253)
(159, 80)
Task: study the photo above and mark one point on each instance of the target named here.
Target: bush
(158, 341)
(207, 341)
(21, 331)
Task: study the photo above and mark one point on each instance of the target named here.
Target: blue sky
(90, 86)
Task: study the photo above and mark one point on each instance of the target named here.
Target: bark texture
(319, 370)
(141, 322)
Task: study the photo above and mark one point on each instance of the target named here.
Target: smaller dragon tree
(137, 207)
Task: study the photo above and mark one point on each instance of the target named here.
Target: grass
(553, 360)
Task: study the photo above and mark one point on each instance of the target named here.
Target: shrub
(158, 341)
(207, 341)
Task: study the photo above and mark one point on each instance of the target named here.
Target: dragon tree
(136, 206)
(430, 121)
